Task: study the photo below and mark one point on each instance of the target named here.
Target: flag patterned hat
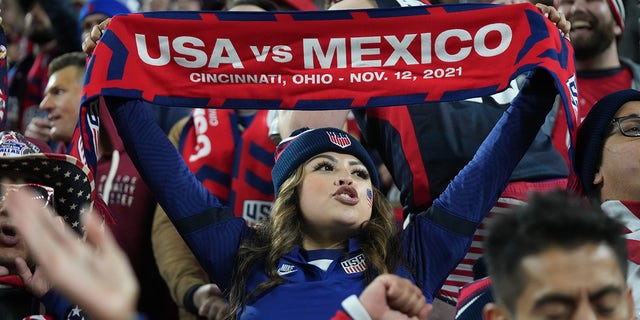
(305, 143)
(68, 176)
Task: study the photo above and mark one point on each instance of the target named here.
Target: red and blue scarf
(321, 59)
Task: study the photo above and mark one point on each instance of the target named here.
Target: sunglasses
(40, 192)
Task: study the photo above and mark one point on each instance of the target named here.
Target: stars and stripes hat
(305, 143)
(68, 176)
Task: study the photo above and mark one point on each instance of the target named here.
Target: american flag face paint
(369, 198)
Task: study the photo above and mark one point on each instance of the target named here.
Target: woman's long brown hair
(378, 238)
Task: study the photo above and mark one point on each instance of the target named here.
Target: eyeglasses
(629, 126)
(40, 192)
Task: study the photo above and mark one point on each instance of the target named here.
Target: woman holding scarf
(331, 231)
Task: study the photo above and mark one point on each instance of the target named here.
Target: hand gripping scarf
(319, 60)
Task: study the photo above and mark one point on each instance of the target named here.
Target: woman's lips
(347, 195)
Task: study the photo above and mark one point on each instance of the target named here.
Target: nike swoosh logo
(282, 273)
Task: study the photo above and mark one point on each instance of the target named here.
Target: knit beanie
(107, 7)
(617, 9)
(591, 135)
(305, 143)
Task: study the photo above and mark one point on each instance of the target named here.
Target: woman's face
(336, 197)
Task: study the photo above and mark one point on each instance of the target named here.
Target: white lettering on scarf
(336, 50)
(189, 52)
(200, 123)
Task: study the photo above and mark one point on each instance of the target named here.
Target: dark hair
(379, 239)
(76, 59)
(26, 5)
(63, 20)
(556, 219)
(267, 5)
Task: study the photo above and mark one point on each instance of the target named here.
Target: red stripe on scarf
(12, 280)
(633, 247)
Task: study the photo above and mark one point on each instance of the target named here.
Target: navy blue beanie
(107, 7)
(591, 135)
(305, 143)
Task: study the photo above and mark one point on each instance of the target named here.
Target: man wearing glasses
(607, 166)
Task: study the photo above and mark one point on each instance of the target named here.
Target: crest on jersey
(354, 265)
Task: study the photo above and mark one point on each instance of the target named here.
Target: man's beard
(42, 36)
(589, 47)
